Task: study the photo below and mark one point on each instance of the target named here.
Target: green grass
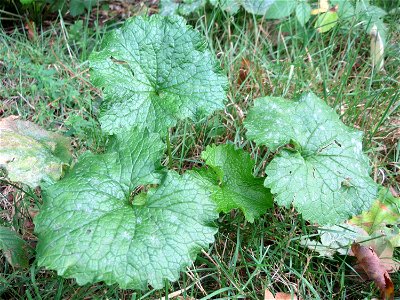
(45, 79)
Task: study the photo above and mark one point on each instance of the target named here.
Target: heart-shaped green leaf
(96, 226)
(154, 71)
(324, 173)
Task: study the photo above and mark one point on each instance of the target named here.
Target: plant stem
(169, 151)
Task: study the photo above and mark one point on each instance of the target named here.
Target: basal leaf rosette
(324, 172)
(95, 226)
(154, 71)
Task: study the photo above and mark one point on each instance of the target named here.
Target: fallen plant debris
(279, 296)
(371, 264)
(31, 154)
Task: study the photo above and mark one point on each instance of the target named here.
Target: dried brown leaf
(245, 67)
(279, 296)
(371, 264)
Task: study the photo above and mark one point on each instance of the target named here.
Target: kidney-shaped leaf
(230, 174)
(154, 71)
(325, 173)
(92, 228)
(31, 154)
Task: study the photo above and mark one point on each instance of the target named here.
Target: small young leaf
(335, 239)
(154, 71)
(280, 9)
(76, 8)
(257, 7)
(181, 7)
(89, 229)
(231, 177)
(339, 238)
(326, 21)
(31, 154)
(14, 248)
(303, 12)
(345, 8)
(325, 173)
(230, 6)
(370, 16)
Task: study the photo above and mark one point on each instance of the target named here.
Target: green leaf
(393, 235)
(303, 12)
(326, 21)
(369, 11)
(324, 172)
(93, 228)
(154, 71)
(14, 248)
(280, 9)
(336, 238)
(384, 211)
(180, 7)
(31, 154)
(370, 15)
(257, 7)
(25, 2)
(77, 7)
(230, 6)
(231, 177)
(345, 8)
